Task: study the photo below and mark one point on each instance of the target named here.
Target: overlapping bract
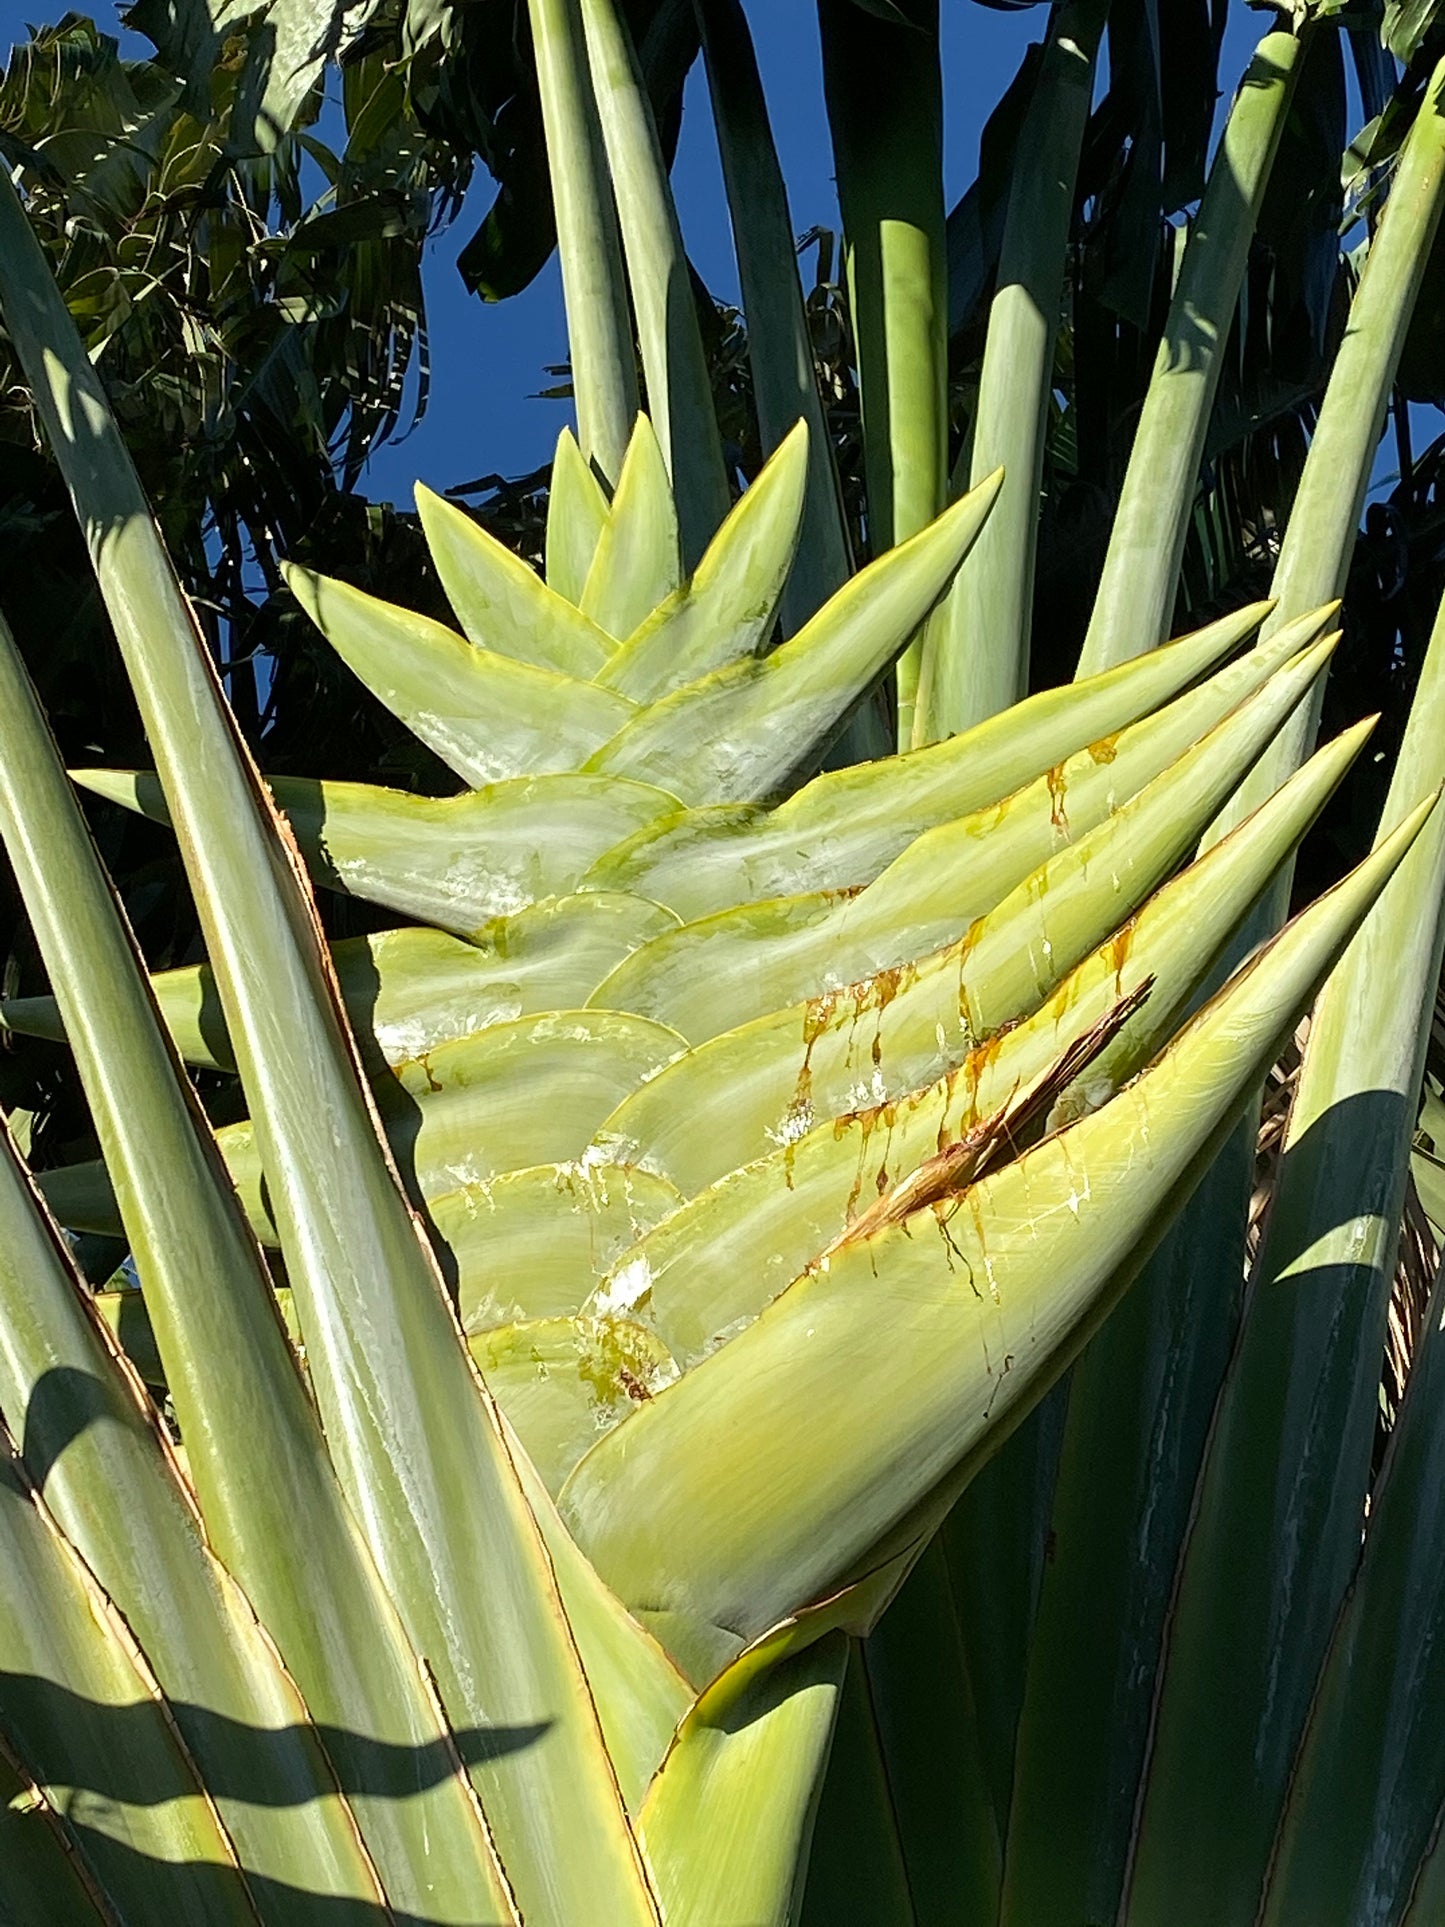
(556, 1082)
(701, 1081)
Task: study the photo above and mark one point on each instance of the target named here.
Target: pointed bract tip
(1356, 734)
(429, 504)
(116, 785)
(1325, 612)
(643, 432)
(304, 584)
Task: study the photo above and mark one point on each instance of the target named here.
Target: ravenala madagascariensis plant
(574, 1444)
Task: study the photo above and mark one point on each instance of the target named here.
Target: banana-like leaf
(577, 511)
(731, 1811)
(455, 861)
(780, 348)
(738, 734)
(995, 1543)
(1136, 593)
(500, 602)
(563, 1704)
(82, 1198)
(415, 1441)
(85, 1719)
(486, 715)
(1266, 1564)
(640, 1693)
(985, 1296)
(883, 88)
(767, 1083)
(40, 1883)
(1319, 539)
(726, 611)
(848, 824)
(407, 991)
(715, 1263)
(122, 1310)
(264, 1487)
(679, 392)
(1360, 1838)
(722, 971)
(599, 324)
(976, 656)
(927, 1736)
(1206, 1254)
(530, 1244)
(857, 1864)
(636, 565)
(561, 1381)
(565, 1381)
(111, 1485)
(1131, 1424)
(529, 1092)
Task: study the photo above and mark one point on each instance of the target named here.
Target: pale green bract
(629, 1264)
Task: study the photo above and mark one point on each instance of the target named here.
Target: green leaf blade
(723, 971)
(1302, 1391)
(416, 1444)
(577, 511)
(112, 1488)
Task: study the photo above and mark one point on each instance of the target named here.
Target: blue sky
(489, 361)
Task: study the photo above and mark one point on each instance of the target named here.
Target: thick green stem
(978, 642)
(885, 110)
(1314, 559)
(1268, 1562)
(679, 395)
(1175, 1853)
(1135, 603)
(416, 1444)
(780, 350)
(273, 1509)
(599, 324)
